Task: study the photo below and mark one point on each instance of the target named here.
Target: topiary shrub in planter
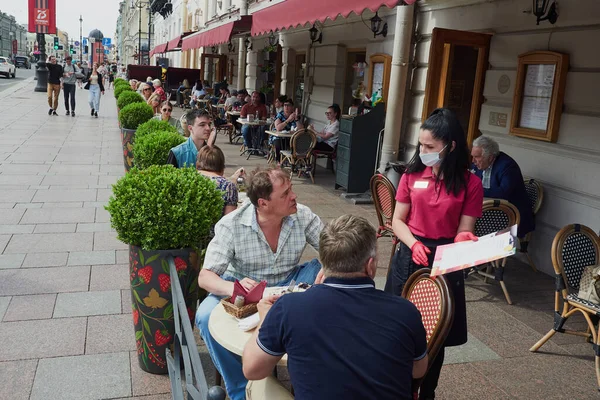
(122, 88)
(128, 97)
(119, 80)
(162, 212)
(130, 117)
(153, 148)
(154, 125)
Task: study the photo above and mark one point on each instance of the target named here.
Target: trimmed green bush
(121, 88)
(153, 125)
(119, 80)
(133, 115)
(128, 97)
(153, 149)
(164, 207)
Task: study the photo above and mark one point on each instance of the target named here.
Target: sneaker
(50, 111)
(68, 113)
(96, 114)
(92, 114)
(54, 113)
(72, 113)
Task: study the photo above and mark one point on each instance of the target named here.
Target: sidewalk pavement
(65, 325)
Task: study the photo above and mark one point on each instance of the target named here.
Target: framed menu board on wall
(539, 93)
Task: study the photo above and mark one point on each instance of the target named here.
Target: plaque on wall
(503, 84)
(539, 93)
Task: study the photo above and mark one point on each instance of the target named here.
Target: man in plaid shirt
(262, 240)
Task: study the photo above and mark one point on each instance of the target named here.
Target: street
(22, 74)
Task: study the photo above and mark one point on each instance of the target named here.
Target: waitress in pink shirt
(437, 203)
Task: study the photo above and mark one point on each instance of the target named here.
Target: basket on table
(238, 312)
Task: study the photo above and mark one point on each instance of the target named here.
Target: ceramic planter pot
(152, 301)
(127, 138)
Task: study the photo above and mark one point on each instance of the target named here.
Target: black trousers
(69, 94)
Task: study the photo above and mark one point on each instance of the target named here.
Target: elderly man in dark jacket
(502, 179)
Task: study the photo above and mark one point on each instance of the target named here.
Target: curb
(13, 89)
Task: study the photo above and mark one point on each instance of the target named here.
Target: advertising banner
(42, 16)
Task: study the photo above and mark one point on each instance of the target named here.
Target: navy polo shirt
(346, 340)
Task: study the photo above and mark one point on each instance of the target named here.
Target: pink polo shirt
(434, 213)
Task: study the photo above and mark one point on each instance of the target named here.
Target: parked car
(22, 62)
(7, 68)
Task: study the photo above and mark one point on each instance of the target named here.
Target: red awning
(158, 49)
(220, 34)
(176, 43)
(293, 13)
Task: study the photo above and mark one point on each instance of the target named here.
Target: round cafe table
(224, 329)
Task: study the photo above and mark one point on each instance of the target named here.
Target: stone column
(185, 55)
(252, 69)
(241, 72)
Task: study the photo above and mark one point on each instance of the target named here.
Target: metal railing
(186, 351)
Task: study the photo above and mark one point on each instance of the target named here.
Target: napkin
(252, 296)
(249, 322)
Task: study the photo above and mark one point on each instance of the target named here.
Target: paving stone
(94, 204)
(106, 277)
(74, 169)
(126, 301)
(50, 242)
(23, 308)
(24, 340)
(6, 206)
(70, 180)
(108, 241)
(145, 383)
(11, 229)
(68, 204)
(473, 350)
(8, 179)
(102, 215)
(65, 195)
(8, 261)
(24, 169)
(166, 396)
(96, 376)
(44, 280)
(4, 239)
(94, 227)
(16, 195)
(87, 303)
(91, 257)
(55, 228)
(17, 379)
(29, 205)
(11, 216)
(4, 302)
(110, 334)
(33, 260)
(123, 256)
(109, 179)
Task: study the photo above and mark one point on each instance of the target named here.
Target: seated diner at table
(502, 179)
(262, 240)
(327, 138)
(285, 121)
(166, 108)
(343, 335)
(256, 108)
(202, 133)
(211, 164)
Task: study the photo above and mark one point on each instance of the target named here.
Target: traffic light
(86, 49)
(71, 51)
(56, 43)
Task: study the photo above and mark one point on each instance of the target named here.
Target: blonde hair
(346, 244)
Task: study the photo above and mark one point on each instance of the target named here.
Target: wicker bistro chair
(329, 155)
(574, 247)
(225, 129)
(299, 158)
(535, 193)
(383, 193)
(496, 215)
(433, 299)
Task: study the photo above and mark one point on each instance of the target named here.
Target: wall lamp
(272, 39)
(313, 35)
(542, 12)
(248, 43)
(376, 27)
(230, 47)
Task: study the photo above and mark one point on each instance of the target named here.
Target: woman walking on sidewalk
(95, 86)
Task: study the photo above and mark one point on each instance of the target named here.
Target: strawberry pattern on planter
(152, 302)
(127, 138)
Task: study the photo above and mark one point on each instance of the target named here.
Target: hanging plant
(266, 89)
(270, 49)
(266, 68)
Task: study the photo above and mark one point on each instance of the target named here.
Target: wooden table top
(285, 135)
(224, 329)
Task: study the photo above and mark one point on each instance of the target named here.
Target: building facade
(10, 31)
(134, 40)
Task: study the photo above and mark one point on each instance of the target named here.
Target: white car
(7, 68)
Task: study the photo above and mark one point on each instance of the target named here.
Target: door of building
(456, 74)
(213, 67)
(355, 87)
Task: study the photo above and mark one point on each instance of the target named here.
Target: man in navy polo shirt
(344, 338)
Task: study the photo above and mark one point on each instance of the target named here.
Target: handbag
(589, 285)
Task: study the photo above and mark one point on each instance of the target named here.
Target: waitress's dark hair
(336, 110)
(444, 126)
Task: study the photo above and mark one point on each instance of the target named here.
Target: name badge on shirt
(421, 184)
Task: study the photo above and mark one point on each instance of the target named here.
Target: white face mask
(431, 159)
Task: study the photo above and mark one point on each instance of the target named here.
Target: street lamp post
(41, 72)
(80, 39)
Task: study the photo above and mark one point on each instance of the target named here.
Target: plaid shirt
(240, 248)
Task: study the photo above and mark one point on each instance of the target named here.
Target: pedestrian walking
(55, 74)
(70, 73)
(96, 87)
(80, 78)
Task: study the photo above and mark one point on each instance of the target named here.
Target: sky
(100, 15)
